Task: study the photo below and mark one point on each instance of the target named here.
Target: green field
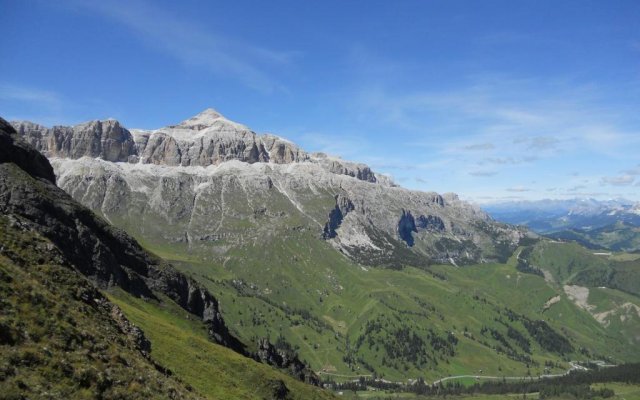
(180, 343)
(347, 320)
(622, 392)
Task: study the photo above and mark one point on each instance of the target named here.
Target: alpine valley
(605, 225)
(222, 263)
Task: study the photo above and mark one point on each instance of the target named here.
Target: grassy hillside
(58, 338)
(58, 335)
(570, 263)
(181, 344)
(616, 237)
(347, 320)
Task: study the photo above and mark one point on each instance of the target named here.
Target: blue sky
(489, 99)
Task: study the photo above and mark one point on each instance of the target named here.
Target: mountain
(619, 236)
(330, 260)
(546, 216)
(66, 276)
(173, 181)
(609, 225)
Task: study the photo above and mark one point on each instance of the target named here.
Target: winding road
(573, 366)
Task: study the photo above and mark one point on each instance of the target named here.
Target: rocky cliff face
(282, 151)
(406, 227)
(106, 255)
(24, 156)
(211, 185)
(205, 139)
(285, 358)
(104, 139)
(430, 222)
(336, 216)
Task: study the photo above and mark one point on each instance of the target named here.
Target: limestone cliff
(176, 181)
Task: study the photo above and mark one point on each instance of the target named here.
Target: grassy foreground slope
(181, 344)
(58, 337)
(348, 320)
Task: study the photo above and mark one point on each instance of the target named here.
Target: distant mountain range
(610, 224)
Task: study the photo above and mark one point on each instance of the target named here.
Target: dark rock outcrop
(359, 171)
(195, 299)
(14, 150)
(336, 215)
(430, 223)
(279, 391)
(134, 333)
(285, 358)
(437, 199)
(406, 227)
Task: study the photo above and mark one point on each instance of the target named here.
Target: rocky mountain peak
(106, 139)
(205, 139)
(202, 120)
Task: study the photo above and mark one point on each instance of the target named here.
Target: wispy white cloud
(518, 129)
(577, 188)
(543, 143)
(518, 189)
(493, 114)
(479, 146)
(49, 107)
(622, 180)
(46, 98)
(18, 102)
(344, 145)
(193, 44)
(577, 195)
(507, 160)
(483, 173)
(633, 171)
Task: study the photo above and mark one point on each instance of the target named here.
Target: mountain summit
(202, 120)
(204, 117)
(258, 186)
